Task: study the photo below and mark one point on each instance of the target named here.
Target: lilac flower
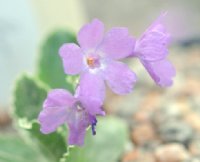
(61, 107)
(152, 51)
(97, 59)
(162, 71)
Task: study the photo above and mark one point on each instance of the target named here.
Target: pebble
(193, 119)
(130, 156)
(171, 153)
(5, 119)
(146, 157)
(142, 116)
(176, 131)
(150, 101)
(138, 156)
(194, 147)
(164, 114)
(143, 133)
(193, 159)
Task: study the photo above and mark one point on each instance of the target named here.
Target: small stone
(138, 156)
(146, 157)
(195, 102)
(194, 147)
(151, 145)
(143, 133)
(176, 131)
(173, 110)
(164, 114)
(171, 153)
(193, 119)
(193, 159)
(150, 101)
(131, 156)
(142, 116)
(5, 119)
(191, 87)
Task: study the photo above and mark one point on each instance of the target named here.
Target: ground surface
(164, 123)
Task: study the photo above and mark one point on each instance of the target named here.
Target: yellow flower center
(91, 61)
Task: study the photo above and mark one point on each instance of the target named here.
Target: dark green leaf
(50, 68)
(53, 145)
(28, 98)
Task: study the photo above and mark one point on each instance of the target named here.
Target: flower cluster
(97, 61)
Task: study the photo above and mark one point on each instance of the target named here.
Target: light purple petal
(72, 58)
(153, 44)
(77, 122)
(119, 77)
(117, 43)
(161, 71)
(55, 110)
(92, 86)
(90, 35)
(93, 105)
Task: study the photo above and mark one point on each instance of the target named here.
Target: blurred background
(164, 123)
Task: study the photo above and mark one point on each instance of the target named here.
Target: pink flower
(97, 59)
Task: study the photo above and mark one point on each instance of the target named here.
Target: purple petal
(91, 93)
(78, 122)
(90, 35)
(92, 104)
(117, 43)
(161, 71)
(120, 78)
(72, 58)
(55, 110)
(153, 44)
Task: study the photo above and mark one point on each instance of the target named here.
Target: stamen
(93, 130)
(94, 123)
(78, 106)
(93, 62)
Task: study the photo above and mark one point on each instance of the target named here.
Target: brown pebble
(143, 133)
(151, 101)
(194, 147)
(5, 119)
(138, 156)
(131, 156)
(193, 119)
(142, 116)
(171, 153)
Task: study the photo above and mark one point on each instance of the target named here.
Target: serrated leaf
(50, 68)
(28, 98)
(107, 146)
(53, 145)
(14, 149)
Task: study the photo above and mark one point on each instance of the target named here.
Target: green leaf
(14, 149)
(106, 146)
(50, 68)
(53, 145)
(28, 98)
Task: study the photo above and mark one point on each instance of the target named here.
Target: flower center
(93, 62)
(78, 106)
